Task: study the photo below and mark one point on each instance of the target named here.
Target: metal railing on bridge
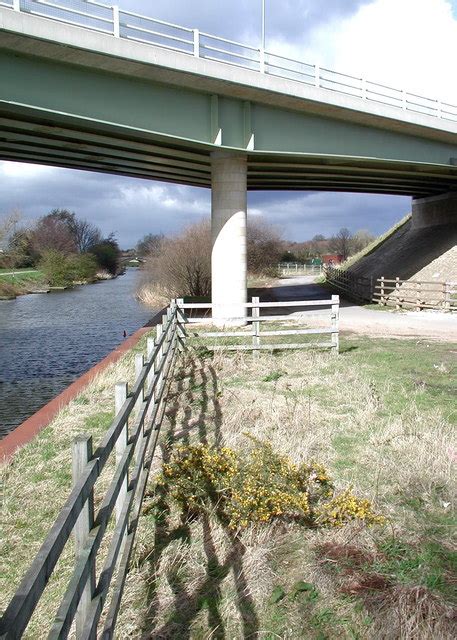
(112, 20)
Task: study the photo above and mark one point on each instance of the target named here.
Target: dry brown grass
(367, 420)
(185, 582)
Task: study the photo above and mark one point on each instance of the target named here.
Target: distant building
(332, 258)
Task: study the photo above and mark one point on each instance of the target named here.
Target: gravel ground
(358, 319)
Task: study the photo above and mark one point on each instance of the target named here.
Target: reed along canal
(48, 340)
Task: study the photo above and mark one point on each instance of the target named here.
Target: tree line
(67, 249)
(181, 265)
(343, 243)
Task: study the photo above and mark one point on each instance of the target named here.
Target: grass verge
(21, 282)
(380, 417)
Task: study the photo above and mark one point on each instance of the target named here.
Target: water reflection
(48, 340)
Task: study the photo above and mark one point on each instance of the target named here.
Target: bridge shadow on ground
(177, 593)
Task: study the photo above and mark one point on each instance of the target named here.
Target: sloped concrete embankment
(428, 253)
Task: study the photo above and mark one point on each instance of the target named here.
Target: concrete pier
(434, 210)
(228, 233)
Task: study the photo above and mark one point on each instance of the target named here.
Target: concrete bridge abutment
(228, 236)
(434, 210)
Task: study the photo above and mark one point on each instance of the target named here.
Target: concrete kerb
(31, 427)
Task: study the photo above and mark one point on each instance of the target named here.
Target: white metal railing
(299, 269)
(109, 19)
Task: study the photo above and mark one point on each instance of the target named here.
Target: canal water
(48, 340)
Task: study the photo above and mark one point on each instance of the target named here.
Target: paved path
(358, 319)
(16, 273)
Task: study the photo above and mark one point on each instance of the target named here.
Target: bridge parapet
(111, 20)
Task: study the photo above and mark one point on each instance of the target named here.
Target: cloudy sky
(405, 43)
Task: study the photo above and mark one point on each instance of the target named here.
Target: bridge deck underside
(72, 143)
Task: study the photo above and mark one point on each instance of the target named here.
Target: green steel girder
(69, 115)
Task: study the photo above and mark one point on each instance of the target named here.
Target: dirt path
(358, 319)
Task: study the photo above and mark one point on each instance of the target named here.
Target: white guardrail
(110, 19)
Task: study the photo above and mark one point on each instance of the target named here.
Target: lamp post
(263, 25)
(262, 45)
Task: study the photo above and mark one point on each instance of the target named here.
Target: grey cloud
(131, 207)
(240, 19)
(126, 206)
(302, 215)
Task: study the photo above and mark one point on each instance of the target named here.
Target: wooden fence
(254, 335)
(416, 294)
(299, 269)
(394, 292)
(96, 584)
(357, 287)
(133, 446)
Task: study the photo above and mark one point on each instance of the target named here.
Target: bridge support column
(228, 234)
(435, 210)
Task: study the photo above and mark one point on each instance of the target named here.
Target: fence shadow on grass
(194, 415)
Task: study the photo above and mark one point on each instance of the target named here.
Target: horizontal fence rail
(254, 335)
(131, 438)
(299, 269)
(416, 294)
(110, 19)
(356, 287)
(109, 523)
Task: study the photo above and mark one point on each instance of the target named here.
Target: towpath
(358, 319)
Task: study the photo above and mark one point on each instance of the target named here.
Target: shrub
(57, 268)
(107, 255)
(84, 267)
(258, 486)
(181, 266)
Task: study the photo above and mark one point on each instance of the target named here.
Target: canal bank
(47, 342)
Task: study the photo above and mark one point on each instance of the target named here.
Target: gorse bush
(258, 486)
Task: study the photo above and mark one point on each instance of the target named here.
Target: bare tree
(360, 240)
(149, 244)
(341, 243)
(8, 223)
(182, 264)
(264, 246)
(52, 233)
(85, 234)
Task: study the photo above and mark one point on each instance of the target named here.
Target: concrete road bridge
(85, 85)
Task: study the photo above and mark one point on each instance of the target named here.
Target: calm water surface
(48, 340)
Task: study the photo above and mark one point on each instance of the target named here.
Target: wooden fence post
(397, 293)
(180, 321)
(447, 296)
(139, 364)
(81, 454)
(159, 331)
(150, 347)
(335, 323)
(381, 284)
(120, 396)
(418, 296)
(255, 326)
